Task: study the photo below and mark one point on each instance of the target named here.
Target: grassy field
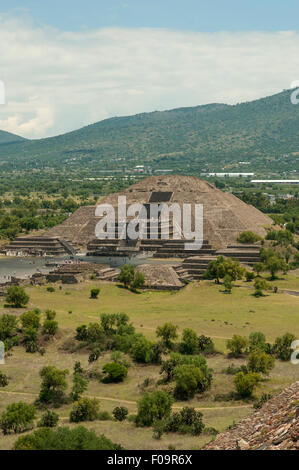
(203, 307)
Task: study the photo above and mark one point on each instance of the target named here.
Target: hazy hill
(8, 138)
(207, 137)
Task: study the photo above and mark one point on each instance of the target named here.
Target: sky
(65, 64)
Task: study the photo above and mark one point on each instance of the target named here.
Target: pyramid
(225, 216)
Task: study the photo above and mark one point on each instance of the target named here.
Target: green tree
(282, 347)
(17, 297)
(142, 350)
(86, 409)
(153, 407)
(257, 341)
(30, 320)
(189, 345)
(17, 418)
(259, 286)
(126, 276)
(79, 386)
(64, 438)
(50, 327)
(48, 420)
(274, 264)
(138, 281)
(189, 380)
(227, 281)
(167, 332)
(8, 327)
(246, 383)
(53, 385)
(50, 314)
(237, 345)
(259, 361)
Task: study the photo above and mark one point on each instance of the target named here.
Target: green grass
(202, 307)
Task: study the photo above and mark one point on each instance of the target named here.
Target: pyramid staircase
(195, 266)
(40, 246)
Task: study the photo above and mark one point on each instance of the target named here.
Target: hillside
(8, 138)
(202, 138)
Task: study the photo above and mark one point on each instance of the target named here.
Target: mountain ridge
(212, 135)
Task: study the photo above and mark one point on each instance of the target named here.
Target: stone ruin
(225, 217)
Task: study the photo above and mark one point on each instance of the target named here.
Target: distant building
(276, 181)
(229, 175)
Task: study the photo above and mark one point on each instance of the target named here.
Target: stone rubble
(273, 427)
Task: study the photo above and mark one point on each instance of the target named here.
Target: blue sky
(67, 63)
(198, 15)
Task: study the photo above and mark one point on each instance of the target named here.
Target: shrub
(237, 345)
(206, 345)
(167, 332)
(30, 340)
(189, 345)
(142, 350)
(260, 285)
(248, 237)
(50, 314)
(86, 409)
(187, 421)
(246, 383)
(126, 275)
(259, 361)
(153, 407)
(249, 275)
(104, 416)
(94, 355)
(114, 372)
(17, 297)
(120, 413)
(94, 293)
(50, 327)
(257, 340)
(30, 320)
(282, 347)
(138, 281)
(8, 326)
(227, 282)
(79, 386)
(50, 289)
(64, 438)
(176, 359)
(189, 380)
(222, 267)
(48, 420)
(3, 380)
(17, 418)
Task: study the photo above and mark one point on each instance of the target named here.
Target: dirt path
(130, 402)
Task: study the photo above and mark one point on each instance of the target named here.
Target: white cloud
(58, 81)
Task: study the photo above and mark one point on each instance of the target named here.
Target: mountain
(263, 132)
(8, 138)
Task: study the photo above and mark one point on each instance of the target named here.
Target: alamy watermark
(2, 353)
(295, 354)
(151, 221)
(295, 93)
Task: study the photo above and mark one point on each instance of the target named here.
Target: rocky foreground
(274, 427)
